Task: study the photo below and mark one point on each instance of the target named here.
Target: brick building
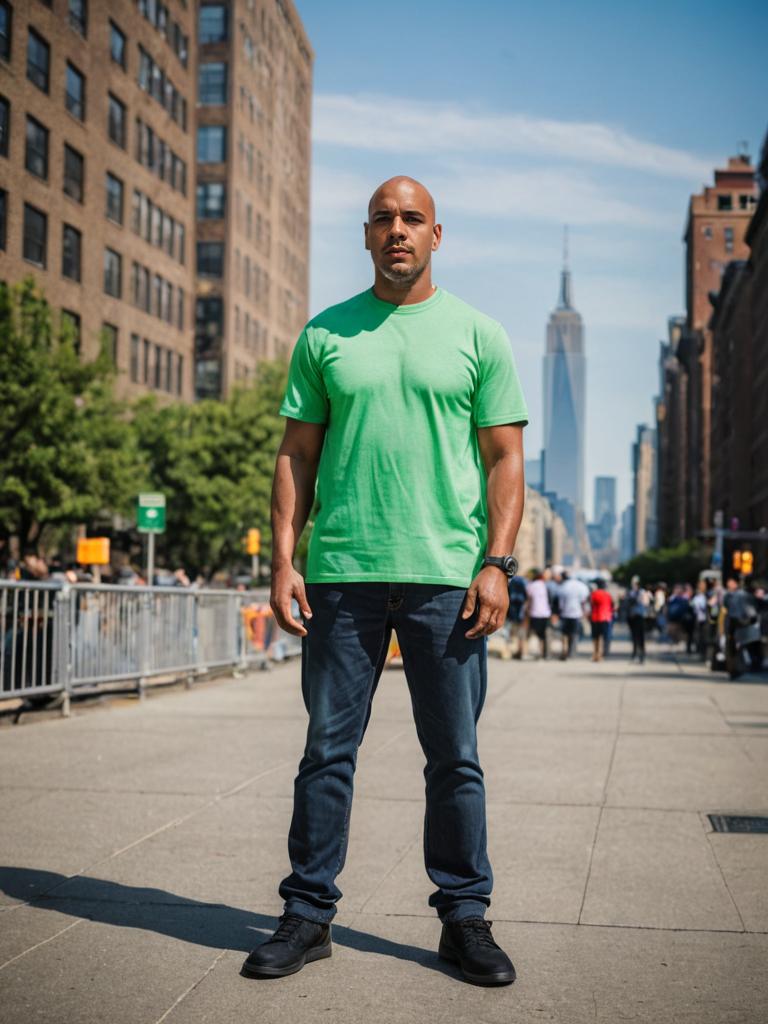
(154, 179)
(716, 227)
(739, 332)
(253, 160)
(96, 171)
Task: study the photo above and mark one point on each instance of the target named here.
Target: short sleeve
(499, 396)
(305, 395)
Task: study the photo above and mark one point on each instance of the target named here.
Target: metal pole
(255, 567)
(150, 558)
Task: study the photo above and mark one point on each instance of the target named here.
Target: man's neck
(406, 294)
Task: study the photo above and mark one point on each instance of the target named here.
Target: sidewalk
(141, 846)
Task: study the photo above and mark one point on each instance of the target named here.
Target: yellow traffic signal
(737, 561)
(253, 542)
(747, 563)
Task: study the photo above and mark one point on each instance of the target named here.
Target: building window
(35, 235)
(113, 273)
(36, 157)
(725, 202)
(116, 121)
(168, 371)
(210, 199)
(75, 92)
(212, 83)
(211, 143)
(729, 239)
(3, 217)
(6, 19)
(109, 334)
(134, 368)
(71, 248)
(179, 374)
(212, 24)
(71, 327)
(708, 231)
(210, 259)
(78, 16)
(746, 202)
(157, 381)
(157, 295)
(38, 60)
(74, 173)
(114, 189)
(180, 309)
(147, 350)
(117, 49)
(180, 242)
(5, 125)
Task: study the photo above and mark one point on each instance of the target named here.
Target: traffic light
(737, 561)
(253, 542)
(747, 563)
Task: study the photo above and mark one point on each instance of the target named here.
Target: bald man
(404, 418)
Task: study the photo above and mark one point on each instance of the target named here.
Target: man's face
(401, 233)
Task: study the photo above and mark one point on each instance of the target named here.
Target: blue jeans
(343, 656)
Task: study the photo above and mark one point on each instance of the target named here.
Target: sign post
(150, 519)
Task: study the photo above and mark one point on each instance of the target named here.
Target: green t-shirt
(402, 389)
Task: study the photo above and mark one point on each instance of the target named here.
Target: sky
(522, 118)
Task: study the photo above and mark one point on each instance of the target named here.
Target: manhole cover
(738, 823)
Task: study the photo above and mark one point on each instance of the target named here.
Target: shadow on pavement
(204, 924)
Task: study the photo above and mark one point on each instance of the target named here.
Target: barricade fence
(58, 637)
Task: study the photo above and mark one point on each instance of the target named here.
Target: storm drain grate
(738, 823)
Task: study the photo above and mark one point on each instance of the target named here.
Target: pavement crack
(37, 945)
(192, 987)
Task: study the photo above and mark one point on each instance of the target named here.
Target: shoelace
(289, 925)
(477, 930)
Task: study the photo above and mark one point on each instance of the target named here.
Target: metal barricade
(61, 638)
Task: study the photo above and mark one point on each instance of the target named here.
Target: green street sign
(150, 513)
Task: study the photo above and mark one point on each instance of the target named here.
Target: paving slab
(743, 860)
(655, 869)
(703, 773)
(540, 859)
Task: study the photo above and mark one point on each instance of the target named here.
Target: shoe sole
(321, 953)
(499, 978)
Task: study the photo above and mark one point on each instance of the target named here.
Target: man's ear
(437, 235)
(365, 233)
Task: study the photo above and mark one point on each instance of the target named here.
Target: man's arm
(293, 491)
(501, 449)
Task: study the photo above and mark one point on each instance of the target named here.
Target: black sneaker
(297, 941)
(469, 944)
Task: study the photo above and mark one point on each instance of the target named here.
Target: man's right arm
(293, 491)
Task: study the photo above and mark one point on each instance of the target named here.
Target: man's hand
(489, 593)
(286, 585)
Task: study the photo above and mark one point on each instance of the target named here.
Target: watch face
(510, 565)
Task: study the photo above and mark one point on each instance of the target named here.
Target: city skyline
(531, 139)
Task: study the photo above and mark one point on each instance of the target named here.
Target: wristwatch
(507, 563)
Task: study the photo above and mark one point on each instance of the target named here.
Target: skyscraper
(564, 396)
(605, 508)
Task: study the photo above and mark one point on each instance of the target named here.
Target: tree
(66, 454)
(214, 461)
(681, 564)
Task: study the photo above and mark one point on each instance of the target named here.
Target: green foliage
(214, 461)
(681, 564)
(65, 453)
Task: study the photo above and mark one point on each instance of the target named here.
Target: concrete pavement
(141, 845)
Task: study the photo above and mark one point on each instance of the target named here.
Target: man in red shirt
(601, 604)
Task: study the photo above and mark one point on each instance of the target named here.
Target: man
(404, 404)
(518, 595)
(572, 598)
(601, 615)
(638, 601)
(539, 611)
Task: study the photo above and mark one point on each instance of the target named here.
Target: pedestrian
(539, 611)
(660, 610)
(699, 609)
(601, 614)
(515, 625)
(413, 400)
(573, 596)
(637, 609)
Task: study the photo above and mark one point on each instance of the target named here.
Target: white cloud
(393, 124)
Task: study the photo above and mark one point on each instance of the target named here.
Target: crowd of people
(725, 626)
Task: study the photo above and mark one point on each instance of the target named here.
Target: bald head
(402, 188)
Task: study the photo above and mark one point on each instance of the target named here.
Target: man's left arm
(501, 449)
